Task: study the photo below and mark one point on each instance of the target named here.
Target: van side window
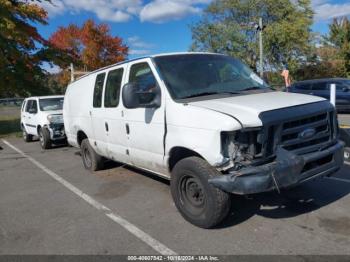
(97, 102)
(29, 105)
(23, 105)
(112, 91)
(35, 106)
(141, 75)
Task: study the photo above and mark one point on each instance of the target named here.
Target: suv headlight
(55, 119)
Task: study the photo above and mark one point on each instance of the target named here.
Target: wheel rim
(87, 158)
(192, 194)
(346, 155)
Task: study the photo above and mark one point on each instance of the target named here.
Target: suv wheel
(198, 202)
(91, 160)
(26, 137)
(44, 137)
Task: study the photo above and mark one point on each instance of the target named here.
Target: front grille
(284, 128)
(290, 133)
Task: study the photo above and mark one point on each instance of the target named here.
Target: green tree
(227, 26)
(339, 39)
(22, 48)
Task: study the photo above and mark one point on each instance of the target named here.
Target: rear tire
(26, 137)
(44, 138)
(198, 202)
(91, 160)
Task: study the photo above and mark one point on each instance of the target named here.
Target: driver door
(144, 127)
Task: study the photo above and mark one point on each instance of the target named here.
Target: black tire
(44, 138)
(91, 160)
(198, 202)
(26, 137)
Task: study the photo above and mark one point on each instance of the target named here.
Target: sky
(157, 26)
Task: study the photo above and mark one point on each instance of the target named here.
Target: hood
(246, 108)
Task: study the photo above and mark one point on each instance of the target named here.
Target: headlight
(55, 119)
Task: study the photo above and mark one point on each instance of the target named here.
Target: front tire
(44, 137)
(198, 202)
(91, 160)
(26, 137)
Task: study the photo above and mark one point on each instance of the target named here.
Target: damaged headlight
(241, 147)
(55, 119)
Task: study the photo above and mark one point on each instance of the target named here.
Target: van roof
(143, 57)
(44, 97)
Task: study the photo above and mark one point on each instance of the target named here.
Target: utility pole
(74, 73)
(71, 72)
(261, 49)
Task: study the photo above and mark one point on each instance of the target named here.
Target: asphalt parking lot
(50, 205)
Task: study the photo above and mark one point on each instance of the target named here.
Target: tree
(91, 46)
(339, 39)
(227, 27)
(22, 48)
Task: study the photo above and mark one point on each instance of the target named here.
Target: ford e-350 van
(207, 123)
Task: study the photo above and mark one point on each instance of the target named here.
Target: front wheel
(26, 137)
(91, 160)
(44, 137)
(198, 202)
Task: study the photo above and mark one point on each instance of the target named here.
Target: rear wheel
(91, 160)
(198, 202)
(44, 137)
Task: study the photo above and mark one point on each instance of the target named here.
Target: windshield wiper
(210, 93)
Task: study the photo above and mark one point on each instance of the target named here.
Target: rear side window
(112, 91)
(320, 86)
(97, 102)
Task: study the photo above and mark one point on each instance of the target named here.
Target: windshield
(203, 74)
(51, 104)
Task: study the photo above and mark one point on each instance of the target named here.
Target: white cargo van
(207, 123)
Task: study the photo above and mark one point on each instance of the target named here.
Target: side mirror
(134, 98)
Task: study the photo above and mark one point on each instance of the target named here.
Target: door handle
(106, 126)
(127, 128)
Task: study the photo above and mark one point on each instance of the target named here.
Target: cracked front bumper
(57, 132)
(287, 170)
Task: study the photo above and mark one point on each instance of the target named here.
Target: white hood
(247, 108)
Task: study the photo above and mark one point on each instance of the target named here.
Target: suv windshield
(51, 104)
(204, 74)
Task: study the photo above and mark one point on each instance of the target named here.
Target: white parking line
(153, 243)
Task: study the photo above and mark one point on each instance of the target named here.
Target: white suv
(207, 123)
(42, 116)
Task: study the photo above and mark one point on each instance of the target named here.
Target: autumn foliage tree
(22, 48)
(91, 45)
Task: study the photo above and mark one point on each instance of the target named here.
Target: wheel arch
(81, 135)
(178, 153)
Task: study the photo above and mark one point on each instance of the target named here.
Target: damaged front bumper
(287, 170)
(57, 131)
